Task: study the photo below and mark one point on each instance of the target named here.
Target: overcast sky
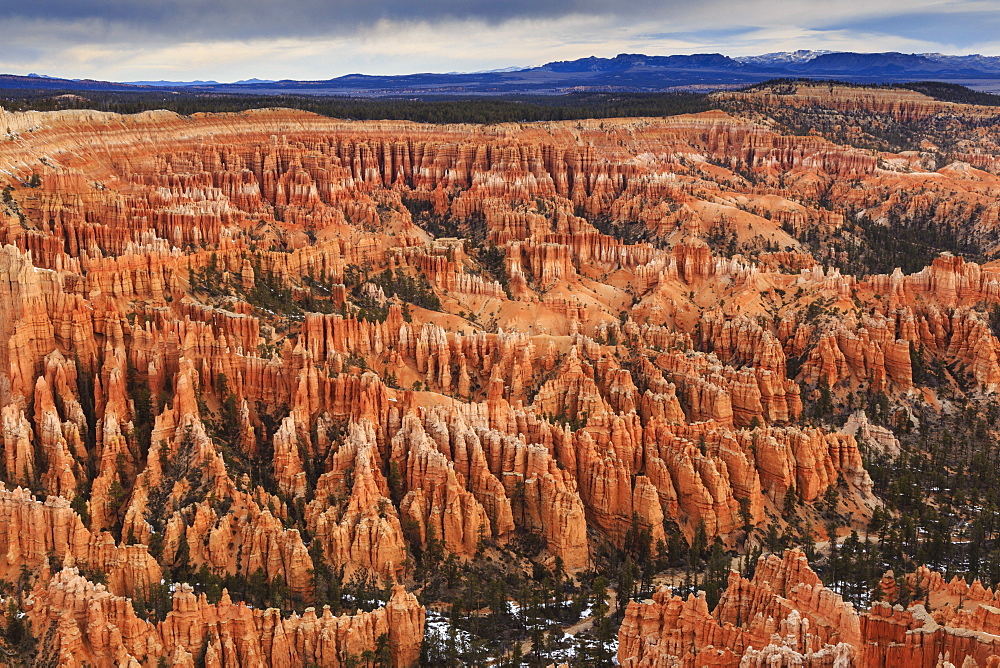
(227, 40)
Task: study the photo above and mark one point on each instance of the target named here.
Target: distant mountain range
(781, 58)
(624, 72)
(186, 84)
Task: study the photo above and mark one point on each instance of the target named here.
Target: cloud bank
(318, 39)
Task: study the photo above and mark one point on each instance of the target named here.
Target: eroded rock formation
(784, 616)
(270, 344)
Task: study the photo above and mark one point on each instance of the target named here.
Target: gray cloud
(171, 20)
(958, 28)
(708, 35)
(64, 22)
(230, 39)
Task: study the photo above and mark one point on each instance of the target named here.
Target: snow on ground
(439, 626)
(563, 650)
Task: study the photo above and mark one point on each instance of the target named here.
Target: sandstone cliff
(784, 616)
(268, 344)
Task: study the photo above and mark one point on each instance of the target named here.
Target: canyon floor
(713, 389)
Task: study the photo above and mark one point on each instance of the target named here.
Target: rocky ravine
(268, 343)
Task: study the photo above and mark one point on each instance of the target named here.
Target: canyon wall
(270, 343)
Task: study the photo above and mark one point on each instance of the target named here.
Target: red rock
(571, 384)
(785, 617)
(93, 626)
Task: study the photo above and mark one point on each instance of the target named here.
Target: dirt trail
(584, 624)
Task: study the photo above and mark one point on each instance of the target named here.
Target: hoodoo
(279, 389)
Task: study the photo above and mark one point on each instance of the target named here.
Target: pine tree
(717, 575)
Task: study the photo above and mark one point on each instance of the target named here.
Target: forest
(437, 109)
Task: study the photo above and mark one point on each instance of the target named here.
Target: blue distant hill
(625, 72)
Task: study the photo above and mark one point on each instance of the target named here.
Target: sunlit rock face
(267, 343)
(784, 616)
